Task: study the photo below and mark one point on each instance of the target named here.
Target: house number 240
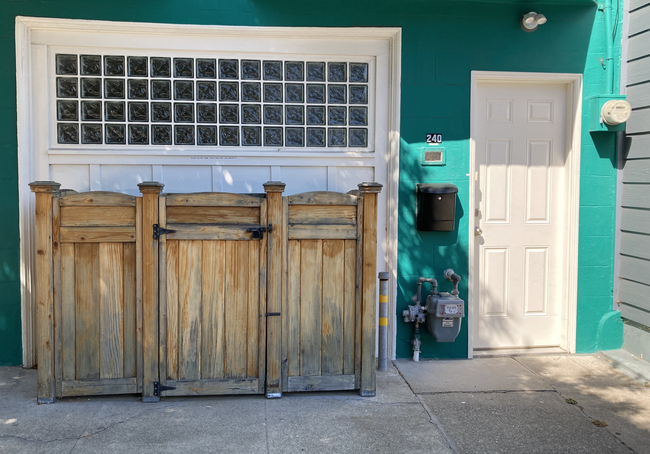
(434, 138)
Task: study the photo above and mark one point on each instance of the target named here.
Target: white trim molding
(573, 83)
(35, 35)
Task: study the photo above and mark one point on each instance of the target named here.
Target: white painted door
(520, 216)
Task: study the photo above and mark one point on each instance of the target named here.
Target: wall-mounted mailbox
(436, 207)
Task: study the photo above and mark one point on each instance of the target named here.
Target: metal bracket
(258, 232)
(157, 388)
(272, 314)
(157, 231)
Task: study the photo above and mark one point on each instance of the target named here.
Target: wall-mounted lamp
(530, 21)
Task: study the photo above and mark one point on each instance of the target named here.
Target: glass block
(336, 137)
(272, 115)
(315, 137)
(137, 66)
(66, 64)
(113, 66)
(358, 72)
(316, 94)
(294, 137)
(229, 136)
(161, 89)
(272, 137)
(294, 70)
(115, 134)
(161, 135)
(114, 111)
(337, 116)
(138, 89)
(139, 134)
(272, 93)
(251, 114)
(358, 94)
(272, 70)
(161, 67)
(358, 116)
(316, 115)
(184, 67)
(183, 89)
(336, 94)
(228, 69)
(206, 113)
(206, 91)
(337, 72)
(91, 110)
(358, 137)
(138, 111)
(316, 71)
(295, 93)
(91, 88)
(184, 135)
(251, 136)
(183, 112)
(68, 132)
(91, 134)
(295, 115)
(251, 92)
(228, 91)
(66, 87)
(113, 88)
(250, 69)
(67, 110)
(206, 68)
(91, 65)
(228, 113)
(206, 135)
(161, 111)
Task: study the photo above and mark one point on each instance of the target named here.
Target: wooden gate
(208, 293)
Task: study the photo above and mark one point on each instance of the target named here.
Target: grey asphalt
(525, 404)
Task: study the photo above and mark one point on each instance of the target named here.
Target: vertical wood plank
(350, 306)
(253, 313)
(68, 311)
(129, 310)
(56, 294)
(285, 295)
(261, 356)
(311, 279)
(212, 316)
(87, 310)
(162, 291)
(189, 294)
(138, 290)
(236, 309)
(172, 310)
(358, 304)
(332, 314)
(111, 327)
(293, 311)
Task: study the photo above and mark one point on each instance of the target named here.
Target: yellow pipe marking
(383, 321)
(383, 298)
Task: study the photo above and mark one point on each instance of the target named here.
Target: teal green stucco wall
(442, 42)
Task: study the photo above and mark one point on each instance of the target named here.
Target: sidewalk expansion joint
(496, 391)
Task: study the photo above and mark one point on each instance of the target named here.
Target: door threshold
(518, 351)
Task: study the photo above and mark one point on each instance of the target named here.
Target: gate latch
(157, 231)
(258, 232)
(157, 388)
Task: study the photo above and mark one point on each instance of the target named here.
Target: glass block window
(218, 102)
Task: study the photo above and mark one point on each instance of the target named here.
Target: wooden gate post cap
(150, 187)
(370, 187)
(274, 186)
(44, 186)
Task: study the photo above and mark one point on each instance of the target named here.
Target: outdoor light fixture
(530, 21)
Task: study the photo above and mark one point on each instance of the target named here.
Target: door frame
(30, 29)
(573, 84)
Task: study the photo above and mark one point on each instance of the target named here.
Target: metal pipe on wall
(383, 321)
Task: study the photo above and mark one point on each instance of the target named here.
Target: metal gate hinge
(157, 231)
(157, 388)
(258, 232)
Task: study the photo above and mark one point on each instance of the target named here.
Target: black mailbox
(436, 207)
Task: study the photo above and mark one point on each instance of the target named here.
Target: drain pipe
(606, 8)
(383, 321)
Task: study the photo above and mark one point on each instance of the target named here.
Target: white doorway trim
(30, 30)
(573, 83)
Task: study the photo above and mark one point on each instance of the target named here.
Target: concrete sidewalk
(521, 404)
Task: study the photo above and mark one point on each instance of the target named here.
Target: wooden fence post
(369, 192)
(44, 191)
(150, 191)
(274, 191)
